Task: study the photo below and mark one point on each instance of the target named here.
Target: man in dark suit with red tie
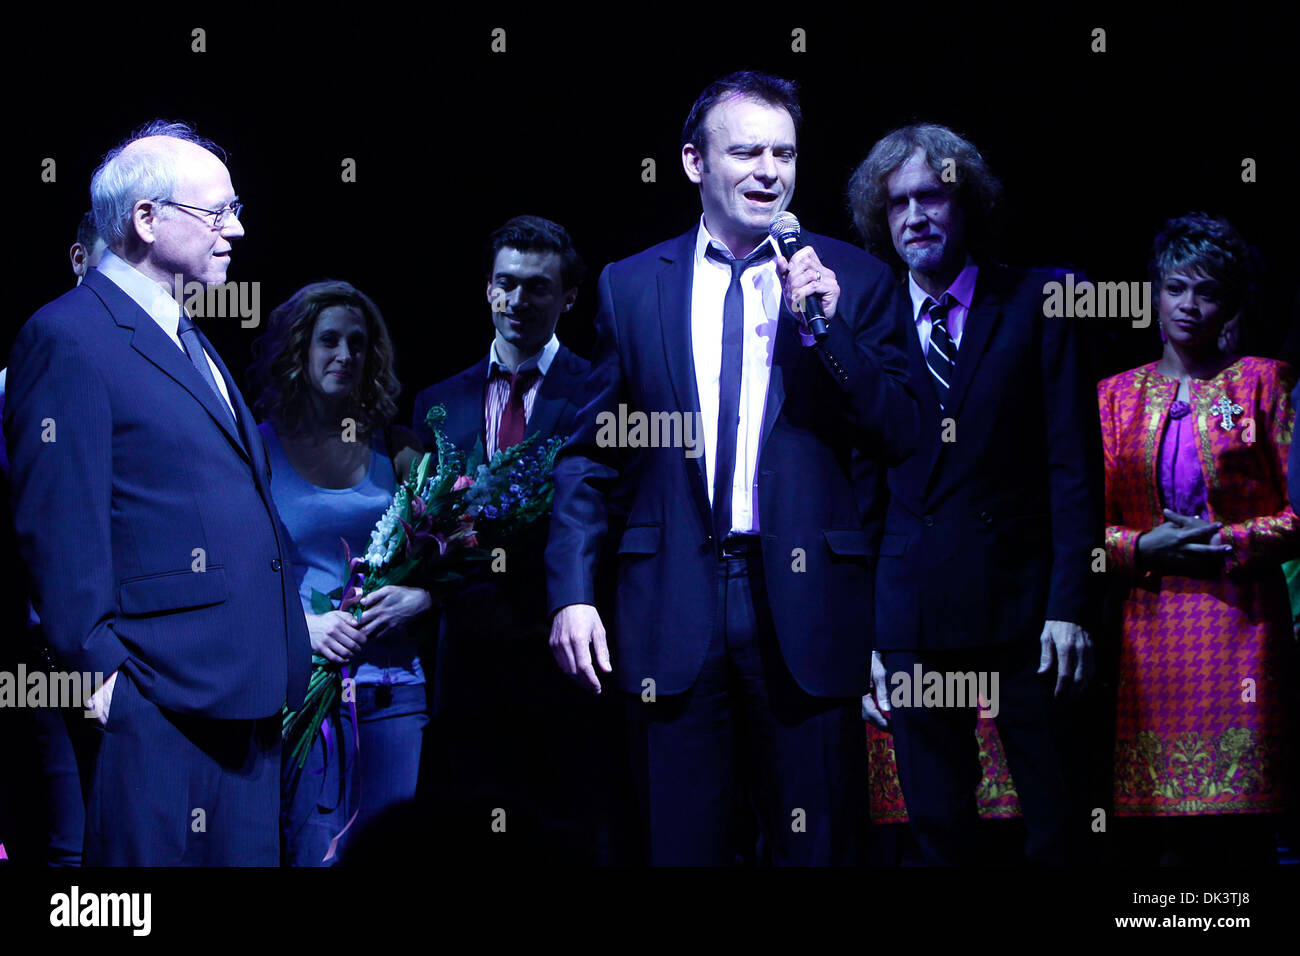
(143, 511)
(503, 718)
(741, 629)
(985, 561)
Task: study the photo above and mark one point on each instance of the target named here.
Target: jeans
(340, 780)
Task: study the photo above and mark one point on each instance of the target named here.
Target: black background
(1096, 150)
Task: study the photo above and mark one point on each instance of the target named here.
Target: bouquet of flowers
(447, 517)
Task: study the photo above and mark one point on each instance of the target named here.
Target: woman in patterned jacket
(1198, 522)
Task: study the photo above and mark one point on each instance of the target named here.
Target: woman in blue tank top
(323, 376)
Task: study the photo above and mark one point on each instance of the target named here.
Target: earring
(1162, 332)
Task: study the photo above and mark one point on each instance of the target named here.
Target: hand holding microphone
(805, 280)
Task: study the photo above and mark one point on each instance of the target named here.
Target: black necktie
(189, 337)
(733, 342)
(941, 356)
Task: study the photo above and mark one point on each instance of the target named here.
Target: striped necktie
(941, 356)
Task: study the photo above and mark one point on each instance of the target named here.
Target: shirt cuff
(807, 337)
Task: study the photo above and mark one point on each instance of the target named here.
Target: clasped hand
(337, 636)
(1183, 544)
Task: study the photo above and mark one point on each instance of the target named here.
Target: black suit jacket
(462, 395)
(493, 634)
(822, 403)
(990, 534)
(148, 523)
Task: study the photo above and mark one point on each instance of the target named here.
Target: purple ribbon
(356, 772)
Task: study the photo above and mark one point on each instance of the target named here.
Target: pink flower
(415, 538)
(463, 482)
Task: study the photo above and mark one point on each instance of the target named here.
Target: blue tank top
(316, 518)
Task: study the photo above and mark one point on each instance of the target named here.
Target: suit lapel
(465, 425)
(554, 394)
(980, 325)
(675, 286)
(785, 352)
(156, 346)
(927, 397)
(243, 413)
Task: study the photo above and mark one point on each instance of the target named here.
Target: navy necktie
(189, 337)
(733, 342)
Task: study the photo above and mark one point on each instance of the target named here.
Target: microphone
(784, 231)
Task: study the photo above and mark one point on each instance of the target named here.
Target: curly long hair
(977, 192)
(278, 374)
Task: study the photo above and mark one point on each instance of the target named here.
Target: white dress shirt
(157, 300)
(762, 291)
(962, 290)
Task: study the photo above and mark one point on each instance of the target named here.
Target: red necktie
(510, 431)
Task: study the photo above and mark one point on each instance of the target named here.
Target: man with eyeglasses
(216, 218)
(142, 506)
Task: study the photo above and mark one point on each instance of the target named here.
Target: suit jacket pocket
(893, 545)
(172, 591)
(117, 703)
(848, 543)
(640, 539)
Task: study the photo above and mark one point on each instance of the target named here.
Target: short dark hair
(1202, 243)
(535, 234)
(977, 191)
(86, 234)
(764, 87)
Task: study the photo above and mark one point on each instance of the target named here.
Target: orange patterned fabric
(996, 795)
(1202, 703)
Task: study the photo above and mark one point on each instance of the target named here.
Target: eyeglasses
(219, 215)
